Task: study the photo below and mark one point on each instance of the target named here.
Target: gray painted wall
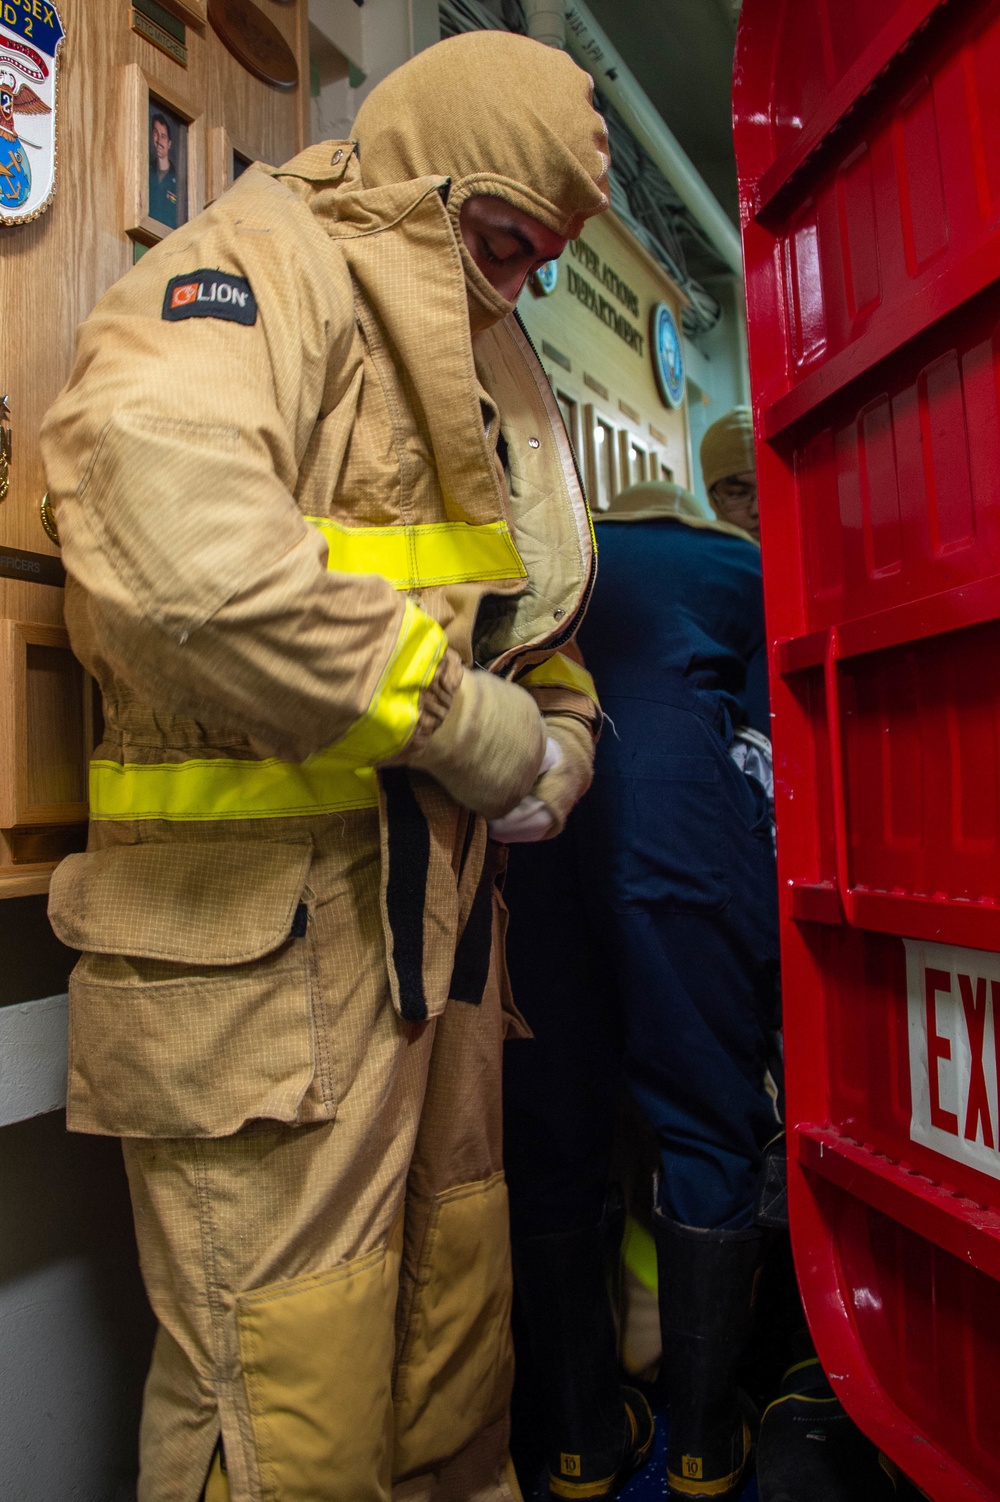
(717, 370)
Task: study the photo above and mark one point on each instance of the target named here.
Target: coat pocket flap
(221, 903)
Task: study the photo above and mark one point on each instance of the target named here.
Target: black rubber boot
(597, 1432)
(810, 1451)
(780, 1335)
(707, 1288)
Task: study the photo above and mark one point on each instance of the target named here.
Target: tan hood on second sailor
(659, 500)
(536, 141)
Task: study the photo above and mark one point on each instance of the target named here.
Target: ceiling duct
(545, 20)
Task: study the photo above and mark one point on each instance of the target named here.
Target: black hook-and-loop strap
(409, 852)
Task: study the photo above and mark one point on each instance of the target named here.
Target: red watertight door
(868, 147)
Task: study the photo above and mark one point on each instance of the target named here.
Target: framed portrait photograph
(167, 187)
(165, 170)
(227, 159)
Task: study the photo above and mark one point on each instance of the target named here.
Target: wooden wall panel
(53, 270)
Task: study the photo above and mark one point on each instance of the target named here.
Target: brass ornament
(48, 520)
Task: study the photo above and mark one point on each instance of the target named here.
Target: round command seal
(668, 354)
(544, 280)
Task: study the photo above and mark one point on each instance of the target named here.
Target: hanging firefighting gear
(288, 538)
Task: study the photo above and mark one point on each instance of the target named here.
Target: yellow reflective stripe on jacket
(226, 789)
(337, 778)
(418, 556)
(561, 672)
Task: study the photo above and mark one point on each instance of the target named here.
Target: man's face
(735, 500)
(161, 143)
(506, 244)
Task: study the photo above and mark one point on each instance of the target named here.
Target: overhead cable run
(592, 49)
(640, 194)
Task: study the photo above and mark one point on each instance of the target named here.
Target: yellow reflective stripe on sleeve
(639, 1254)
(395, 707)
(425, 554)
(335, 779)
(561, 672)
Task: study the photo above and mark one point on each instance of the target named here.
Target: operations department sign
(30, 37)
(953, 1002)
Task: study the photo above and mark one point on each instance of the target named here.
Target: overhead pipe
(590, 47)
(546, 22)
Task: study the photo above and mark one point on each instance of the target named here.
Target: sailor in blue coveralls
(644, 943)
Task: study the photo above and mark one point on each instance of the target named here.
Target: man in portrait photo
(162, 171)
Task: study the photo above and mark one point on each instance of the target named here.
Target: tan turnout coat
(199, 598)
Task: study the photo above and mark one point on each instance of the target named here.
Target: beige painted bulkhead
(600, 362)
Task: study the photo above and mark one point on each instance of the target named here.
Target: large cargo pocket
(317, 1363)
(190, 1008)
(456, 1366)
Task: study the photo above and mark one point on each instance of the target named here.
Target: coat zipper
(564, 634)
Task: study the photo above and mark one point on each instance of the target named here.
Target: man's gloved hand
(564, 777)
(531, 820)
(488, 749)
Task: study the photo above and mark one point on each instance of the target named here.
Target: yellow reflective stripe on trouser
(425, 554)
(561, 672)
(338, 778)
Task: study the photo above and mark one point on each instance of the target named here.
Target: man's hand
(563, 778)
(488, 750)
(531, 820)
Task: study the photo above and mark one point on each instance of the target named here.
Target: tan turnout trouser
(335, 1297)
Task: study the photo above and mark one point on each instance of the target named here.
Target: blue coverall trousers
(643, 945)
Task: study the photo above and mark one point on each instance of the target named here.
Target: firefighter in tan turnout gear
(325, 543)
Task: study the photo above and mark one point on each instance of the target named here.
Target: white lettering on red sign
(953, 998)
